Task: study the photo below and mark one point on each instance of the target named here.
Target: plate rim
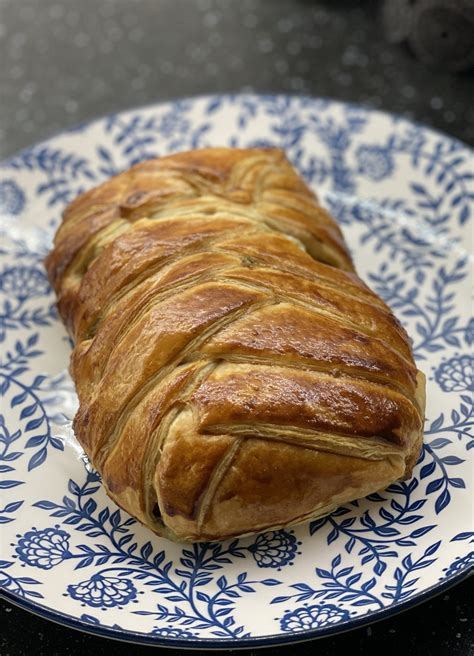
(272, 640)
(275, 639)
(259, 95)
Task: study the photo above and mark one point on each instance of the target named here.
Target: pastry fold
(234, 373)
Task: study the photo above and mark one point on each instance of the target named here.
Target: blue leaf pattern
(404, 196)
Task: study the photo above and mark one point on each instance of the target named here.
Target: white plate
(404, 197)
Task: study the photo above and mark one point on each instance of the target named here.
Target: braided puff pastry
(234, 374)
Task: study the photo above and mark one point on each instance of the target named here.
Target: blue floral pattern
(24, 282)
(375, 162)
(404, 196)
(460, 564)
(45, 548)
(274, 549)
(173, 124)
(172, 632)
(103, 591)
(457, 374)
(12, 198)
(312, 617)
(19, 284)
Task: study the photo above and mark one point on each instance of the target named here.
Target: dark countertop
(67, 61)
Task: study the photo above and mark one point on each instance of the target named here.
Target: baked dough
(234, 374)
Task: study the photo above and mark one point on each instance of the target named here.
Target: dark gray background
(66, 62)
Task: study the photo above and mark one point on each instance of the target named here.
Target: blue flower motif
(374, 161)
(172, 632)
(44, 549)
(12, 198)
(460, 563)
(274, 549)
(24, 282)
(103, 591)
(457, 374)
(107, 581)
(173, 124)
(312, 617)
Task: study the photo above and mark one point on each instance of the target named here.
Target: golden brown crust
(273, 482)
(233, 372)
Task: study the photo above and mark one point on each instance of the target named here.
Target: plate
(403, 195)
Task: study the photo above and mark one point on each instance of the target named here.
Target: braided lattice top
(233, 372)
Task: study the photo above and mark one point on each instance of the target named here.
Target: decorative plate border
(275, 640)
(376, 163)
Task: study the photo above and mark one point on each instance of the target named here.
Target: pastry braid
(234, 374)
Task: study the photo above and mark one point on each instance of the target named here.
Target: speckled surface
(66, 62)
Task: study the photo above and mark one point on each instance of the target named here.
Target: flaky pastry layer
(234, 373)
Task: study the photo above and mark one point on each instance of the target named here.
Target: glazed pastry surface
(234, 374)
